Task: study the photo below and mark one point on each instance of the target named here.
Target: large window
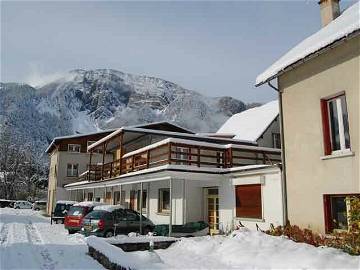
(164, 200)
(144, 197)
(276, 140)
(75, 148)
(336, 212)
(335, 124)
(72, 170)
(248, 201)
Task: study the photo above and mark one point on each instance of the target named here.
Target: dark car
(107, 221)
(7, 203)
(76, 214)
(60, 211)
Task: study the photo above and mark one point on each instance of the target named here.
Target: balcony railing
(186, 153)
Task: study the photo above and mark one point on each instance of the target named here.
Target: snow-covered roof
(249, 125)
(66, 202)
(76, 136)
(346, 24)
(109, 208)
(88, 204)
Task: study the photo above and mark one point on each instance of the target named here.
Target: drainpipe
(283, 162)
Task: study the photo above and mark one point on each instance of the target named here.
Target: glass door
(213, 210)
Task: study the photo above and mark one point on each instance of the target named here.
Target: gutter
(283, 162)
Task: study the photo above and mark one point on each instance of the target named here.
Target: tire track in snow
(35, 238)
(4, 234)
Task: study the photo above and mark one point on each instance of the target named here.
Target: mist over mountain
(89, 100)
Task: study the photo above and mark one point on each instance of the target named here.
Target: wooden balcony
(186, 153)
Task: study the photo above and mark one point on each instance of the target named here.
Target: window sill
(250, 219)
(163, 213)
(338, 155)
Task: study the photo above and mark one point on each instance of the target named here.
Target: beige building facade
(311, 173)
(319, 83)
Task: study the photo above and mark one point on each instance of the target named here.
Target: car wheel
(59, 221)
(109, 234)
(17, 207)
(37, 209)
(71, 231)
(146, 230)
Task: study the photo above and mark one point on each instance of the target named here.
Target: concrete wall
(308, 175)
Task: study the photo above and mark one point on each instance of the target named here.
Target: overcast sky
(216, 48)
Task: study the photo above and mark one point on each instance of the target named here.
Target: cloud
(36, 78)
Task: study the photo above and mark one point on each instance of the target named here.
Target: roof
(57, 139)
(109, 208)
(249, 125)
(166, 126)
(169, 134)
(343, 26)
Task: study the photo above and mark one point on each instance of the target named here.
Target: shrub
(348, 241)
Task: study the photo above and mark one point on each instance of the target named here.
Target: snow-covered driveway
(28, 241)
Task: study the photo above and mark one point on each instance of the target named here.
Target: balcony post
(121, 151)
(103, 161)
(170, 217)
(231, 157)
(198, 157)
(141, 210)
(169, 153)
(147, 158)
(93, 197)
(89, 169)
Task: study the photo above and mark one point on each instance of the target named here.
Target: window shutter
(248, 201)
(325, 127)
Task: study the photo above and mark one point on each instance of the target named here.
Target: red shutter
(248, 201)
(327, 214)
(325, 127)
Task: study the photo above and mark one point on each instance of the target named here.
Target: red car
(76, 213)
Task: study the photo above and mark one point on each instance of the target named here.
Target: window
(72, 170)
(248, 201)
(181, 155)
(143, 199)
(90, 196)
(335, 124)
(336, 212)
(90, 143)
(75, 148)
(164, 200)
(276, 140)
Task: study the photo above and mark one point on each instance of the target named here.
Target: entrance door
(213, 210)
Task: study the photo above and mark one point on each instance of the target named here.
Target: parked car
(107, 221)
(23, 205)
(76, 214)
(39, 205)
(60, 211)
(7, 203)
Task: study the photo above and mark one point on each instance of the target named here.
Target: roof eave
(310, 56)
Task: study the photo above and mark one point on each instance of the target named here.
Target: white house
(174, 176)
(259, 124)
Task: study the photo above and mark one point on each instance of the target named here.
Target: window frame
(144, 200)
(72, 170)
(273, 136)
(76, 145)
(258, 216)
(329, 228)
(161, 208)
(326, 124)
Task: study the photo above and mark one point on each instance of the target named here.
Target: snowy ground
(243, 249)
(28, 241)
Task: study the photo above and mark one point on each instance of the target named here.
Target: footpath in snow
(28, 241)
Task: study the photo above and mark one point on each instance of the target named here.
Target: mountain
(88, 100)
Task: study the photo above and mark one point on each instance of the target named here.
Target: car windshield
(41, 203)
(97, 214)
(61, 207)
(76, 211)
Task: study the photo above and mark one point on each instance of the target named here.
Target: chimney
(329, 10)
